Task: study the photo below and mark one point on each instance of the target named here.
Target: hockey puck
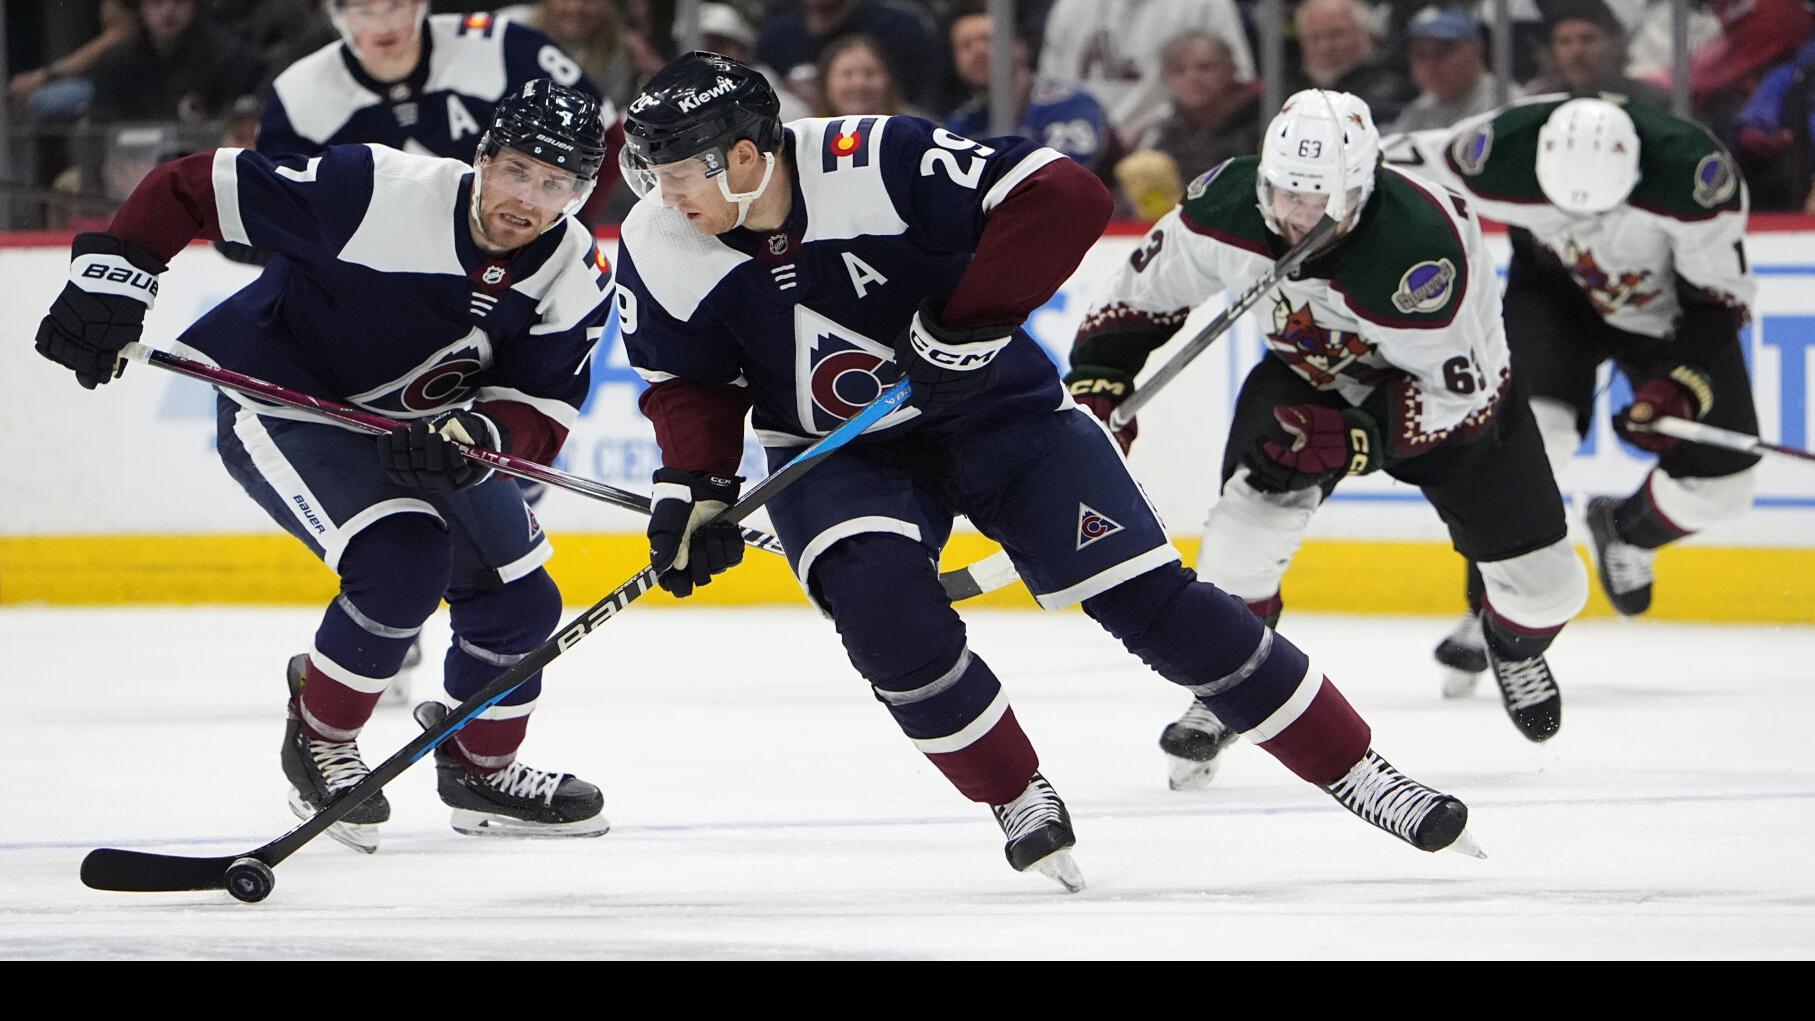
(250, 880)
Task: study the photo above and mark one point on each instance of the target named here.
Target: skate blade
(361, 837)
(1189, 774)
(484, 824)
(1458, 683)
(1465, 844)
(1059, 868)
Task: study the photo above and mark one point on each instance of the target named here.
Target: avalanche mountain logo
(1094, 525)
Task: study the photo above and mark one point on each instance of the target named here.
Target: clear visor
(548, 190)
(685, 177)
(1300, 210)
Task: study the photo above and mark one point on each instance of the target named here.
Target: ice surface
(765, 806)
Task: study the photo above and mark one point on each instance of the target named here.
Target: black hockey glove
(112, 283)
(419, 456)
(1103, 389)
(948, 367)
(1679, 391)
(1311, 445)
(686, 546)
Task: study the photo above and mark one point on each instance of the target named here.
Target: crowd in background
(1148, 93)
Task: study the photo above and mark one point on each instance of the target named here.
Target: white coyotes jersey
(1407, 301)
(1685, 220)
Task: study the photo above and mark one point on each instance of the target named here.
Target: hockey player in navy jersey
(400, 77)
(465, 299)
(789, 272)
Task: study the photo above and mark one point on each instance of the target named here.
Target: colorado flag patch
(1094, 525)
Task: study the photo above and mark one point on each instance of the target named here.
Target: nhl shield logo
(492, 274)
(1094, 525)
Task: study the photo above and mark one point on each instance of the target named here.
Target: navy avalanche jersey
(377, 296)
(468, 63)
(887, 211)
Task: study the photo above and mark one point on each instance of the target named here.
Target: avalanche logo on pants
(1094, 525)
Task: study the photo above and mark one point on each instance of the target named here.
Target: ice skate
(1423, 817)
(516, 801)
(1462, 657)
(1530, 694)
(1193, 744)
(319, 770)
(1625, 570)
(1039, 834)
(398, 694)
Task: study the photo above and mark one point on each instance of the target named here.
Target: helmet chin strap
(743, 199)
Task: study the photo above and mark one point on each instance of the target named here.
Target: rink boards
(116, 496)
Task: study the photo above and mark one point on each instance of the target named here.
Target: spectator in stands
(724, 30)
(1338, 50)
(62, 89)
(856, 77)
(1208, 117)
(180, 67)
(1112, 49)
(589, 31)
(1774, 135)
(1047, 111)
(1449, 66)
(795, 40)
(1585, 51)
(1756, 36)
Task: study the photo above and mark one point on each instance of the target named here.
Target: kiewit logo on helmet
(688, 104)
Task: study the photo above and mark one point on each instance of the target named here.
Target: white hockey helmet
(1320, 140)
(1588, 156)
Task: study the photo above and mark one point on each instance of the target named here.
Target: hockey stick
(1715, 436)
(249, 877)
(1309, 245)
(986, 575)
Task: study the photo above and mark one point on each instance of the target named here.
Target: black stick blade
(109, 868)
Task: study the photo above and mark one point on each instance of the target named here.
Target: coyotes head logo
(1316, 352)
(1609, 292)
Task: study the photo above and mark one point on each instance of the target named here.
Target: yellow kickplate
(1694, 582)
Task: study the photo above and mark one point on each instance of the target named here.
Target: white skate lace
(338, 763)
(1384, 796)
(1526, 682)
(520, 781)
(1199, 718)
(1628, 566)
(1037, 806)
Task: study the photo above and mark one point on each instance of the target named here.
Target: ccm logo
(122, 275)
(1358, 444)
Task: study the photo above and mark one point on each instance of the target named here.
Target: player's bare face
(519, 198)
(382, 32)
(1297, 212)
(687, 189)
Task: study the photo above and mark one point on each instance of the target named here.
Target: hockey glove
(112, 283)
(686, 546)
(419, 455)
(1102, 390)
(1680, 392)
(1311, 445)
(948, 367)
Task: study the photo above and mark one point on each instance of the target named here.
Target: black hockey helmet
(700, 103)
(553, 123)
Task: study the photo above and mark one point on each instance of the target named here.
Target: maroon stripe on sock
(1326, 740)
(1487, 607)
(333, 704)
(484, 743)
(995, 768)
(1651, 500)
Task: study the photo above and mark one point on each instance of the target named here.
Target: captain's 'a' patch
(1094, 525)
